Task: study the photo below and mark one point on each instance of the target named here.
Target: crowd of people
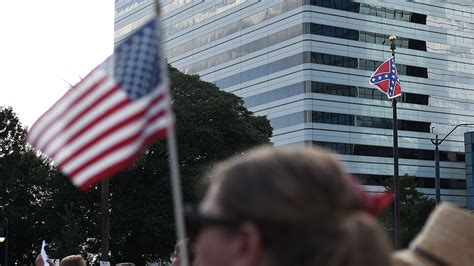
(280, 207)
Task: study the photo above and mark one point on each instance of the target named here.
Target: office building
(306, 63)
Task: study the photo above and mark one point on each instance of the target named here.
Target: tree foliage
(21, 195)
(11, 133)
(41, 203)
(415, 208)
(211, 125)
(36, 197)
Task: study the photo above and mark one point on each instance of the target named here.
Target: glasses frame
(196, 221)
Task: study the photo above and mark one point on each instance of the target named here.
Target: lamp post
(437, 142)
(4, 235)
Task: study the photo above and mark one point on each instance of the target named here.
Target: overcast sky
(47, 44)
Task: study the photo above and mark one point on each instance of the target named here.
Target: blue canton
(137, 65)
(392, 76)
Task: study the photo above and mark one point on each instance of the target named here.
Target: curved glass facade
(305, 64)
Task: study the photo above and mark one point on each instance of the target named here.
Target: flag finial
(393, 39)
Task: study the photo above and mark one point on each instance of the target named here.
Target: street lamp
(436, 142)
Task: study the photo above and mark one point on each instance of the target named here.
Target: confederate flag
(386, 79)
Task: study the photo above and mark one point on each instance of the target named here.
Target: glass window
(368, 121)
(422, 182)
(347, 5)
(288, 34)
(287, 120)
(380, 151)
(394, 14)
(332, 89)
(319, 58)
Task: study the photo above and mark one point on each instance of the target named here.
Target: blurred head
(73, 260)
(445, 239)
(285, 207)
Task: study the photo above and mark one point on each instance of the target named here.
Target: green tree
(21, 192)
(211, 125)
(415, 208)
(73, 219)
(41, 203)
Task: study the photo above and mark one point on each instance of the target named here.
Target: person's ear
(250, 245)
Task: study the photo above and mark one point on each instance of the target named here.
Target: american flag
(101, 124)
(386, 79)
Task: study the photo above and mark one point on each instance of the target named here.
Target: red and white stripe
(95, 130)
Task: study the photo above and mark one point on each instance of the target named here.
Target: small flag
(101, 124)
(44, 256)
(386, 79)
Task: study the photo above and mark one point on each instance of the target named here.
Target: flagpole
(176, 183)
(177, 197)
(105, 226)
(396, 178)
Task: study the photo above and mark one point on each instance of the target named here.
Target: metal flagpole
(437, 142)
(437, 175)
(177, 197)
(105, 228)
(176, 183)
(396, 178)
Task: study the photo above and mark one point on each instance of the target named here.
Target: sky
(47, 44)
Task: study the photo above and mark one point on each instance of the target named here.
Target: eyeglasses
(196, 221)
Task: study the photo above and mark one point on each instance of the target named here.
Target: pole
(177, 197)
(5, 221)
(176, 185)
(437, 175)
(105, 226)
(396, 178)
(437, 142)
